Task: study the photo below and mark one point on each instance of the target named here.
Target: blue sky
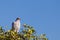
(43, 15)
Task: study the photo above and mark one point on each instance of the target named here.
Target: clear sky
(43, 15)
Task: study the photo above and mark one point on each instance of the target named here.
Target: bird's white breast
(17, 25)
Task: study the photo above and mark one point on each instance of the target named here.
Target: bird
(16, 24)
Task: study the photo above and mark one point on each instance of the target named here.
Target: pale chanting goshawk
(16, 25)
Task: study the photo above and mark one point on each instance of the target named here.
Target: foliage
(28, 33)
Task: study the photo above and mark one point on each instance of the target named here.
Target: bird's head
(17, 19)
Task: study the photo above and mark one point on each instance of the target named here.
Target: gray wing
(12, 25)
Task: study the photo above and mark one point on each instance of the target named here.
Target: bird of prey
(16, 25)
